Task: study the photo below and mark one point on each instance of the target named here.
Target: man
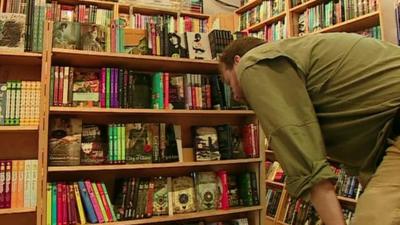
(326, 94)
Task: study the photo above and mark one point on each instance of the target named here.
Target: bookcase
(186, 118)
(264, 25)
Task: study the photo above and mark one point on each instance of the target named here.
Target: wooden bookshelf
(248, 6)
(186, 216)
(17, 211)
(302, 7)
(99, 3)
(136, 62)
(150, 165)
(269, 21)
(18, 128)
(20, 58)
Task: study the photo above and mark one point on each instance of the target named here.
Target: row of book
(298, 212)
(332, 12)
(373, 32)
(73, 143)
(261, 12)
(18, 183)
(274, 171)
(347, 186)
(122, 88)
(273, 197)
(273, 32)
(140, 197)
(22, 25)
(19, 103)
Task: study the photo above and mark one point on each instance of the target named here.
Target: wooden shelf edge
(195, 14)
(269, 151)
(266, 22)
(18, 210)
(195, 215)
(247, 6)
(77, 110)
(20, 54)
(19, 128)
(149, 165)
(304, 6)
(347, 200)
(279, 184)
(269, 218)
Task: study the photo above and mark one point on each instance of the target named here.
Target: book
(12, 30)
(66, 34)
(7, 184)
(65, 141)
(183, 195)
(93, 145)
(93, 37)
(198, 45)
(160, 196)
(85, 88)
(205, 143)
(176, 92)
(206, 190)
(87, 204)
(93, 200)
(233, 191)
(138, 147)
(81, 213)
(2, 183)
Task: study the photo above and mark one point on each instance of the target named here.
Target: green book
(123, 138)
(119, 136)
(54, 204)
(35, 29)
(246, 194)
(41, 28)
(110, 156)
(115, 143)
(108, 88)
(157, 100)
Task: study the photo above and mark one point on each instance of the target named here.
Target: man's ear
(236, 59)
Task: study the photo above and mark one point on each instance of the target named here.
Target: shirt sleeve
(278, 95)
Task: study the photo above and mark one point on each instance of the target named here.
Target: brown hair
(238, 47)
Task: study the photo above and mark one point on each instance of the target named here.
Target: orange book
(14, 182)
(20, 184)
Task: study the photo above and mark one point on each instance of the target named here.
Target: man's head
(230, 59)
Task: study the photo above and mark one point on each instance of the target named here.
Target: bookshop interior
(82, 143)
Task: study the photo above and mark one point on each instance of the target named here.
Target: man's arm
(324, 199)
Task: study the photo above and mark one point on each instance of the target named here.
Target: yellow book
(48, 211)
(14, 182)
(20, 184)
(82, 218)
(102, 209)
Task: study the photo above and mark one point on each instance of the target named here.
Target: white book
(27, 184)
(34, 177)
(12, 106)
(18, 102)
(37, 103)
(22, 119)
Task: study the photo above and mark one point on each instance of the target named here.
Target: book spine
(125, 89)
(61, 86)
(65, 86)
(149, 202)
(108, 201)
(82, 219)
(34, 174)
(116, 77)
(22, 117)
(2, 183)
(48, 203)
(54, 205)
(14, 183)
(68, 209)
(59, 204)
(254, 188)
(8, 104)
(100, 203)
(90, 213)
(115, 143)
(18, 85)
(104, 201)
(7, 184)
(120, 141)
(13, 102)
(73, 204)
(224, 198)
(123, 140)
(21, 183)
(95, 204)
(56, 85)
(3, 103)
(112, 90)
(108, 87)
(121, 88)
(103, 88)
(28, 183)
(64, 203)
(70, 85)
(166, 90)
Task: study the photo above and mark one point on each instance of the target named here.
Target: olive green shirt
(323, 95)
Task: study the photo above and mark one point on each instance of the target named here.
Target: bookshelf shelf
(269, 152)
(269, 218)
(20, 58)
(347, 200)
(76, 110)
(149, 166)
(356, 24)
(102, 4)
(136, 62)
(195, 15)
(248, 6)
(18, 128)
(15, 211)
(124, 8)
(195, 215)
(300, 8)
(268, 21)
(274, 183)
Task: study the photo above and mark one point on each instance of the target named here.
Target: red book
(166, 90)
(149, 205)
(193, 90)
(7, 185)
(64, 204)
(2, 183)
(224, 198)
(72, 202)
(104, 200)
(95, 204)
(208, 94)
(56, 83)
(59, 204)
(68, 205)
(247, 140)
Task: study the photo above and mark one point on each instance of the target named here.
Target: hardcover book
(93, 37)
(207, 190)
(65, 141)
(138, 146)
(160, 196)
(205, 143)
(85, 88)
(12, 31)
(93, 145)
(176, 92)
(66, 35)
(198, 45)
(183, 195)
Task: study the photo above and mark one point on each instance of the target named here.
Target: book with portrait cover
(93, 37)
(66, 35)
(198, 45)
(12, 31)
(65, 141)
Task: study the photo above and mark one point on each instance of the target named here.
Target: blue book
(87, 204)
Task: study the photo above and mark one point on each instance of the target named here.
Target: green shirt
(323, 95)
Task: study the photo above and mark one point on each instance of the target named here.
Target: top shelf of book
(20, 58)
(135, 62)
(247, 6)
(304, 6)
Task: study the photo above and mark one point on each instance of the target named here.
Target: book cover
(93, 200)
(154, 138)
(183, 195)
(85, 87)
(2, 183)
(136, 41)
(12, 31)
(233, 191)
(205, 143)
(3, 102)
(206, 190)
(176, 92)
(100, 202)
(160, 196)
(93, 145)
(66, 35)
(198, 45)
(139, 90)
(93, 37)
(65, 141)
(87, 204)
(138, 145)
(104, 201)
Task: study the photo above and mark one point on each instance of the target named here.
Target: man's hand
(324, 199)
